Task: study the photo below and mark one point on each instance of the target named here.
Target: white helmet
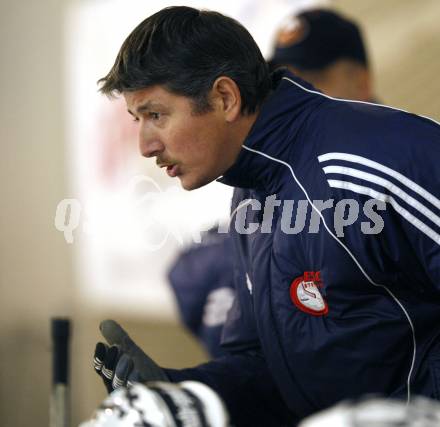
(377, 412)
(161, 404)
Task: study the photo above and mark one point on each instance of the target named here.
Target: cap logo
(305, 293)
(292, 32)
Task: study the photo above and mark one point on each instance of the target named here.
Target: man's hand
(122, 361)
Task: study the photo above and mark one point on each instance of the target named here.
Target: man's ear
(226, 95)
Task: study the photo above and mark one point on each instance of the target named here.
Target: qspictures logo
(145, 213)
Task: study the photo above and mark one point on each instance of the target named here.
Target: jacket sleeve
(410, 186)
(404, 174)
(241, 378)
(244, 383)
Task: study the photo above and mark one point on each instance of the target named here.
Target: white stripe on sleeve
(389, 186)
(388, 199)
(386, 170)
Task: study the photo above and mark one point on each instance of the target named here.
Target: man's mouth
(171, 169)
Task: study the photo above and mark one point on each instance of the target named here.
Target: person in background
(202, 280)
(327, 50)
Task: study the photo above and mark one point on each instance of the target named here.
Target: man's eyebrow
(147, 106)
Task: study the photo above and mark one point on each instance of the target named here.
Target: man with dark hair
(190, 62)
(346, 306)
(327, 50)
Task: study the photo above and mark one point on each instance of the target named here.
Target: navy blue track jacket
(332, 308)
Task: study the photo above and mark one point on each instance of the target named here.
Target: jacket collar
(274, 133)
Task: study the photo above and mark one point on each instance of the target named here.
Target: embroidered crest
(305, 294)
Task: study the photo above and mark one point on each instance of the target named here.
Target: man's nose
(150, 146)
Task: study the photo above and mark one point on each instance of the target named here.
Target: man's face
(193, 147)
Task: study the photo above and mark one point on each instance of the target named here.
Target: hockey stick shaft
(59, 408)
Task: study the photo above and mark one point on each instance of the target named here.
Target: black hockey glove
(123, 362)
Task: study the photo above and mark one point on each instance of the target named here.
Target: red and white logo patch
(305, 294)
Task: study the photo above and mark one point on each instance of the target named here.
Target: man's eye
(135, 119)
(154, 116)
